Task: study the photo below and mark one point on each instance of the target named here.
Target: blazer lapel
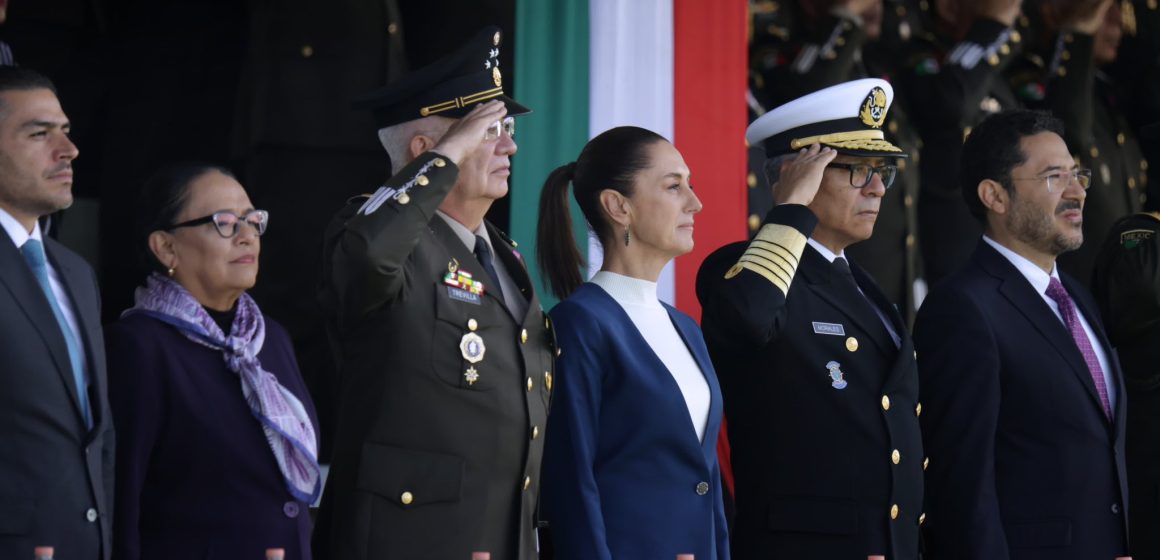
(1017, 290)
(695, 342)
(516, 268)
(1093, 319)
(26, 291)
(820, 276)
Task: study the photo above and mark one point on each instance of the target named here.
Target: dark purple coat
(195, 475)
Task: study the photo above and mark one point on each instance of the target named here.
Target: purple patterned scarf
(285, 421)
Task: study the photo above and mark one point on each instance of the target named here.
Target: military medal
(836, 374)
(472, 348)
(471, 375)
(462, 280)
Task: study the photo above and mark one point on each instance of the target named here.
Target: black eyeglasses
(861, 174)
(227, 223)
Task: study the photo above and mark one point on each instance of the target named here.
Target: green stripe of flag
(551, 76)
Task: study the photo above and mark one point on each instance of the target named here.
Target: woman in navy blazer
(216, 451)
(630, 467)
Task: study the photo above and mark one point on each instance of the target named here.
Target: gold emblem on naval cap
(495, 39)
(496, 76)
(873, 111)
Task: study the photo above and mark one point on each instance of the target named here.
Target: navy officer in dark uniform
(446, 358)
(816, 367)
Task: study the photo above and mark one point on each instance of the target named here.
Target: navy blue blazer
(196, 478)
(624, 474)
(1023, 462)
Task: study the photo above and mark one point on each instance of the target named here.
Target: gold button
(754, 222)
(527, 482)
(908, 201)
(1016, 37)
(535, 432)
(530, 384)
(472, 324)
(909, 240)
(422, 180)
(966, 132)
(1095, 152)
(548, 380)
(1062, 71)
(307, 51)
(393, 28)
(895, 457)
(852, 344)
(1143, 165)
(559, 351)
(403, 198)
(925, 463)
(1066, 55)
(439, 162)
(1004, 49)
(1131, 182)
(547, 323)
(894, 511)
(918, 409)
(885, 402)
(922, 519)
(523, 336)
(751, 180)
(993, 59)
(406, 498)
(1120, 138)
(840, 41)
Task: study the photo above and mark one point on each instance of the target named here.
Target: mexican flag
(676, 67)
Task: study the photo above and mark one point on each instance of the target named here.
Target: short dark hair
(611, 160)
(163, 197)
(993, 149)
(16, 78)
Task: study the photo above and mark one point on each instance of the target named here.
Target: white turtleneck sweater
(639, 300)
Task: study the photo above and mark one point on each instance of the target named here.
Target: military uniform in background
(947, 88)
(1097, 131)
(446, 376)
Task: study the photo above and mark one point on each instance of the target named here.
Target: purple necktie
(1057, 292)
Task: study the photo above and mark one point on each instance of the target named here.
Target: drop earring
(627, 236)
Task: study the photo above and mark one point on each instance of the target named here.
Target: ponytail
(556, 249)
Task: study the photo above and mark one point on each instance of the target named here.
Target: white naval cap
(847, 117)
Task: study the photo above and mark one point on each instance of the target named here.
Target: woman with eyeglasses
(216, 440)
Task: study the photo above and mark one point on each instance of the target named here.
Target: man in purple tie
(1023, 397)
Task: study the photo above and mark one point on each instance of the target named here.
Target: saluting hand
(800, 177)
(468, 132)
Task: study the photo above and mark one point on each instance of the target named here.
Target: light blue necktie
(33, 252)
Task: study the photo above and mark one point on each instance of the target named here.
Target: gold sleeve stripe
(777, 240)
(784, 270)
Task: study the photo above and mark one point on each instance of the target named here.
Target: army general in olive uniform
(817, 369)
(446, 355)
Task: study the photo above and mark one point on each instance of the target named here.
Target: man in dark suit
(446, 356)
(56, 468)
(1024, 419)
(816, 367)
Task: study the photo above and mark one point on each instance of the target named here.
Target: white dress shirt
(830, 256)
(20, 236)
(516, 303)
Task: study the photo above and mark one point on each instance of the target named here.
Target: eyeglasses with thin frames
(1059, 181)
(227, 223)
(506, 126)
(861, 173)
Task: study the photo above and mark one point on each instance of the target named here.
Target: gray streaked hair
(396, 139)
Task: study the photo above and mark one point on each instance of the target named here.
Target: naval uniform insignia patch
(837, 380)
(873, 112)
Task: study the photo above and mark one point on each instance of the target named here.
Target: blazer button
(91, 515)
(290, 509)
(406, 498)
(922, 519)
(918, 409)
(1116, 509)
(702, 488)
(531, 384)
(885, 402)
(527, 482)
(523, 336)
(895, 457)
(894, 511)
(548, 380)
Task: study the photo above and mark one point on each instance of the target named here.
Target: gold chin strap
(460, 102)
(798, 143)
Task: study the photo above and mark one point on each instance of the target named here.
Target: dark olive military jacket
(444, 394)
(822, 405)
(1126, 286)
